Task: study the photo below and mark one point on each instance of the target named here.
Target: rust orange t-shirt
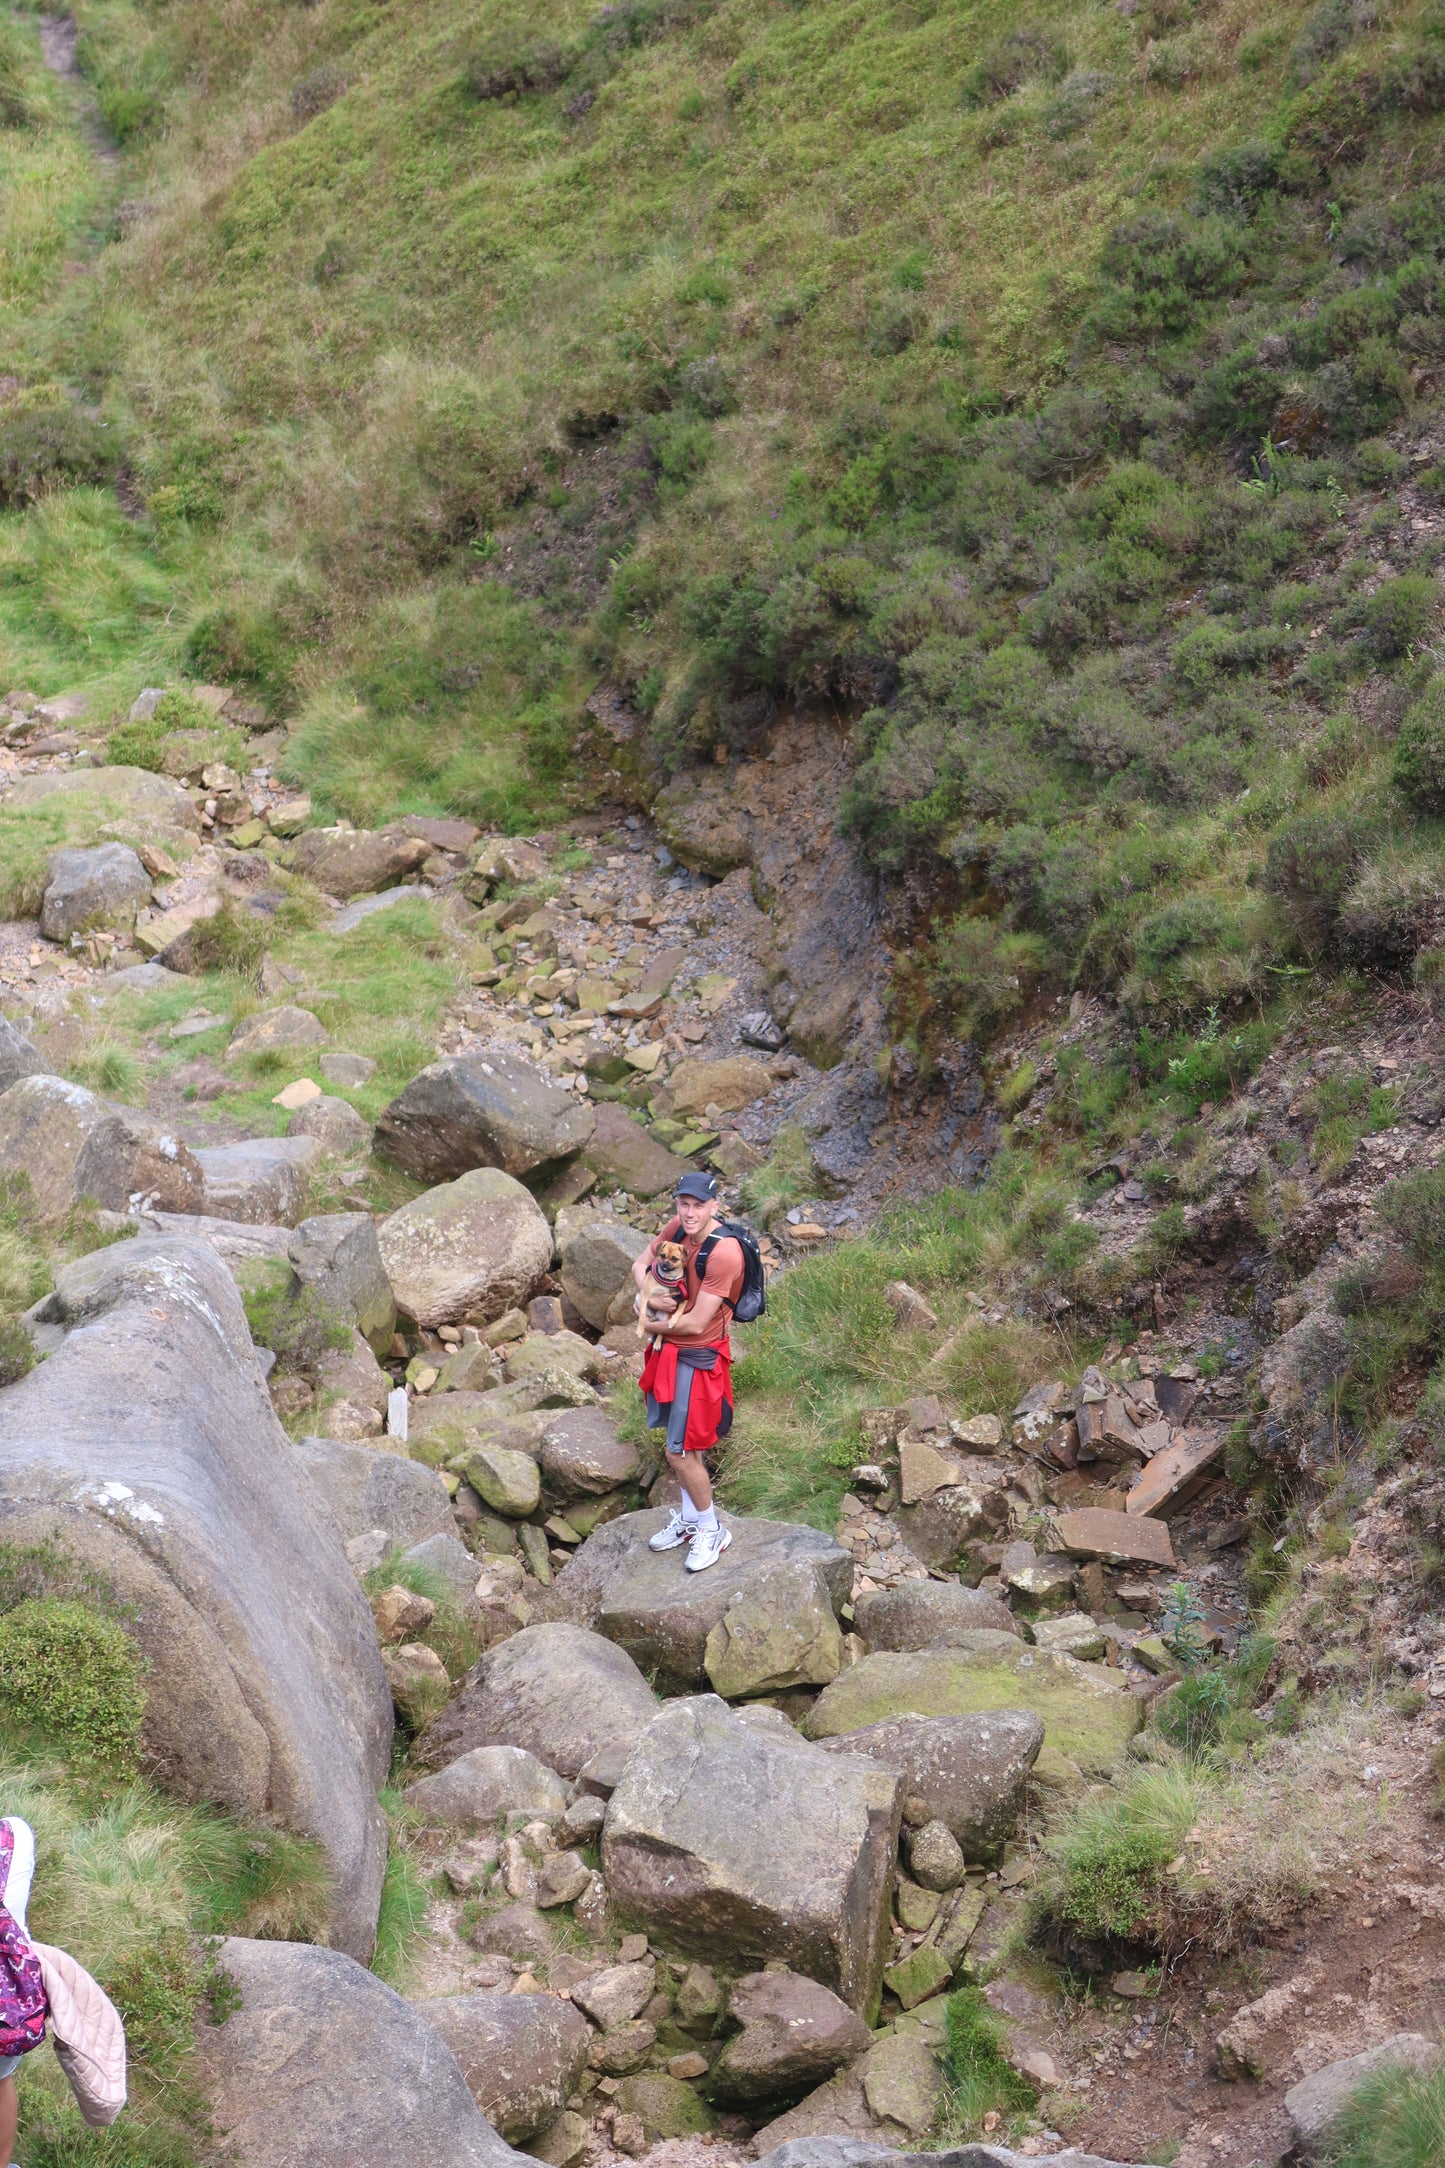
(724, 1276)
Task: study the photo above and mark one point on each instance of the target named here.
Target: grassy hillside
(1042, 386)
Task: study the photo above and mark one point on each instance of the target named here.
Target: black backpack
(752, 1295)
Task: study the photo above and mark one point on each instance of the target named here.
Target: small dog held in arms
(666, 1288)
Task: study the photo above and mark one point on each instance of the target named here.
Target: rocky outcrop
(279, 1031)
(145, 1448)
(558, 1691)
(1088, 1713)
(473, 1247)
(365, 1489)
(468, 1112)
(337, 1127)
(521, 2055)
(970, 1771)
(130, 804)
(582, 1455)
(71, 1146)
(338, 1256)
(795, 2034)
(727, 1841)
(624, 1155)
(662, 1617)
(778, 1633)
(284, 2082)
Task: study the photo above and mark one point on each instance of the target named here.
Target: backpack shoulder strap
(705, 1250)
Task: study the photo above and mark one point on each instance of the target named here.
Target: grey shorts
(673, 1413)
(9, 2064)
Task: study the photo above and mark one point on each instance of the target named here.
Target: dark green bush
(76, 1676)
(1417, 769)
(17, 1350)
(503, 66)
(1175, 931)
(1399, 613)
(1030, 55)
(1236, 179)
(1309, 866)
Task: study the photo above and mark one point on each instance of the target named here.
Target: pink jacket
(88, 2034)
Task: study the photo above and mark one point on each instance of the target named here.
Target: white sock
(708, 1520)
(689, 1511)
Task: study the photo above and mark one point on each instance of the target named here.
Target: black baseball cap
(702, 1186)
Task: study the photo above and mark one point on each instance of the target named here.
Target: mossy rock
(668, 2107)
(1088, 1714)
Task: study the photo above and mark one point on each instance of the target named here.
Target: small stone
(400, 1615)
(918, 1976)
(418, 1680)
(563, 2142)
(917, 1908)
(1150, 1651)
(691, 2065)
(299, 1094)
(563, 1880)
(981, 1433)
(617, 1994)
(629, 2135)
(1038, 2066)
(936, 1857)
(1075, 1634)
(623, 2049)
(911, 1313)
(351, 1071)
(1130, 1984)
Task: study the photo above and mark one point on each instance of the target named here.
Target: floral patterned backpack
(22, 1990)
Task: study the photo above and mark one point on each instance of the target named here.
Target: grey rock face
(146, 1447)
(142, 807)
(597, 1266)
(795, 2033)
(364, 1489)
(261, 1179)
(72, 1145)
(558, 1691)
(521, 2055)
(1315, 2103)
(468, 1112)
(18, 1057)
(445, 1555)
(662, 1617)
(582, 1455)
(336, 1126)
(105, 886)
(473, 1247)
(283, 1029)
(972, 1771)
(778, 1633)
(487, 1784)
(725, 1842)
(914, 1615)
(285, 2084)
(338, 1256)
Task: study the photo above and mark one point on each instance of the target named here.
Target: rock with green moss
(919, 1975)
(472, 1247)
(1087, 1712)
(779, 1632)
(668, 2107)
(93, 805)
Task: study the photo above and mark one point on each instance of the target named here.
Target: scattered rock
(1075, 1634)
(1120, 1539)
(400, 1613)
(911, 1313)
(477, 1245)
(508, 1482)
(70, 1145)
(350, 1071)
(367, 1490)
(970, 1772)
(417, 1678)
(521, 2055)
(564, 2142)
(467, 1112)
(1088, 1712)
(356, 862)
(278, 1031)
(665, 2107)
(563, 1879)
(18, 1057)
(778, 1632)
(104, 886)
(280, 2071)
(935, 1857)
(913, 1615)
(617, 1994)
(728, 1085)
(727, 1842)
(126, 803)
(662, 1617)
(558, 1691)
(338, 1256)
(795, 2033)
(624, 1155)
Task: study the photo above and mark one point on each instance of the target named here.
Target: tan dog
(666, 1288)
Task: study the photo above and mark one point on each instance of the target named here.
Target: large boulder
(729, 1085)
(278, 1031)
(662, 1617)
(18, 1057)
(795, 2033)
(338, 1256)
(971, 1771)
(1088, 1712)
(916, 1613)
(261, 1178)
(128, 804)
(597, 1266)
(468, 1112)
(356, 861)
(582, 1455)
(104, 886)
(558, 1691)
(72, 1145)
(473, 1247)
(731, 1842)
(145, 1447)
(335, 1124)
(364, 1489)
(521, 2055)
(624, 1155)
(486, 1785)
(318, 2063)
(777, 1633)
(1315, 2104)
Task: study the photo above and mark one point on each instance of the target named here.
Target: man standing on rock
(687, 1377)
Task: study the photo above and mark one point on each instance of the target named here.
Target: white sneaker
(676, 1532)
(708, 1545)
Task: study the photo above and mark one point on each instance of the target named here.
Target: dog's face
(669, 1263)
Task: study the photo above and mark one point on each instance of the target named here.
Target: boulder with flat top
(471, 1111)
(971, 1772)
(473, 1247)
(560, 1692)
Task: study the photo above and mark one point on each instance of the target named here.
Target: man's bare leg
(691, 1472)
